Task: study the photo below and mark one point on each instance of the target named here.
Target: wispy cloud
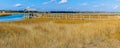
(117, 0)
(84, 4)
(52, 0)
(18, 5)
(102, 4)
(99, 5)
(44, 3)
(116, 7)
(96, 6)
(63, 1)
(69, 7)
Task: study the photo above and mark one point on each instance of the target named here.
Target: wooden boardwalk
(82, 16)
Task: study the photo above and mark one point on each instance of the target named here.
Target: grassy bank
(4, 14)
(50, 33)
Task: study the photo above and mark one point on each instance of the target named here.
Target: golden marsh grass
(56, 33)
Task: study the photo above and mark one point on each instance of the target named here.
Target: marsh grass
(7, 30)
(52, 33)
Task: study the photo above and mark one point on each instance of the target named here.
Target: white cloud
(84, 4)
(18, 5)
(45, 3)
(52, 0)
(99, 5)
(96, 5)
(69, 7)
(63, 1)
(102, 4)
(30, 9)
(117, 0)
(115, 7)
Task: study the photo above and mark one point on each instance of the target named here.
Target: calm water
(13, 17)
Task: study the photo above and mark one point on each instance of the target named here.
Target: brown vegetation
(50, 33)
(78, 16)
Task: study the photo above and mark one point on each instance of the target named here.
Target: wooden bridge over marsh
(80, 16)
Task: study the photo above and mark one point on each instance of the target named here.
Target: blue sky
(62, 5)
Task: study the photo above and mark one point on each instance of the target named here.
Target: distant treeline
(64, 12)
(21, 11)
